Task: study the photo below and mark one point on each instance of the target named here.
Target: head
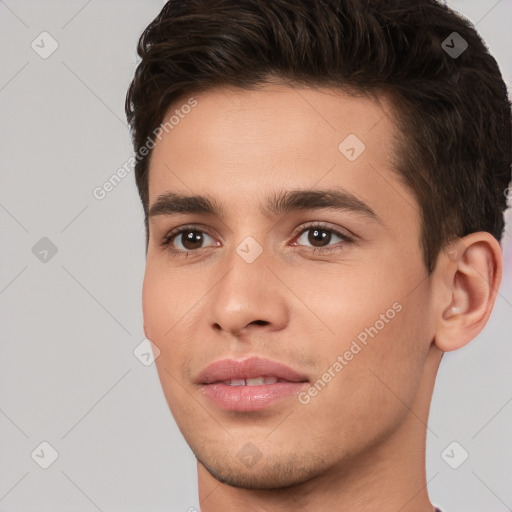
(345, 121)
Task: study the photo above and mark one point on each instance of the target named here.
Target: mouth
(255, 381)
(249, 385)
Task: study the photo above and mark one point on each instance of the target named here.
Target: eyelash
(322, 250)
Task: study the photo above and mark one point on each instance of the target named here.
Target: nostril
(260, 322)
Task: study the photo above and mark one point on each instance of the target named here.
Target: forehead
(241, 146)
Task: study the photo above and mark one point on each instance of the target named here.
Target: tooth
(256, 381)
(237, 382)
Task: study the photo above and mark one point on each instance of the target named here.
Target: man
(323, 185)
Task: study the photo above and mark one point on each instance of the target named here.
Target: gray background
(69, 326)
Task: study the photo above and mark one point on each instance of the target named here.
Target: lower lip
(250, 398)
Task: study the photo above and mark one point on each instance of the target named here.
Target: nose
(249, 297)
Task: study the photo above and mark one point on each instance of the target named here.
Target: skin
(359, 444)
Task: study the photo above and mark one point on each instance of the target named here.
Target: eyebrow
(287, 201)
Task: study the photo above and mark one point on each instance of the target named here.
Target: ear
(469, 275)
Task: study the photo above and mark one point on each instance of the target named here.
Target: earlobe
(473, 272)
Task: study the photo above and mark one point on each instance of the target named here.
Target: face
(302, 265)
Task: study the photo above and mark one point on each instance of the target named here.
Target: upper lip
(227, 369)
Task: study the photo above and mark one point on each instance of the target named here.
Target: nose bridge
(247, 273)
(248, 292)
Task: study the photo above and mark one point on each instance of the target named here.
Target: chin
(277, 473)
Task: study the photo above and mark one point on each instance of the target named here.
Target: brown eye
(191, 240)
(186, 240)
(319, 237)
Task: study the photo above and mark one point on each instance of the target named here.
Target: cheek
(154, 305)
(351, 300)
(375, 389)
(170, 303)
(161, 303)
(382, 336)
(167, 299)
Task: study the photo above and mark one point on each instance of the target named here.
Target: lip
(249, 398)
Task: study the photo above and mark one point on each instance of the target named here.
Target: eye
(320, 237)
(185, 240)
(189, 239)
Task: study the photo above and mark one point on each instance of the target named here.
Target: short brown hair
(453, 110)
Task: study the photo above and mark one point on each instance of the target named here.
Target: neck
(385, 478)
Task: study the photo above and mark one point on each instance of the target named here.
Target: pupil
(317, 236)
(191, 239)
